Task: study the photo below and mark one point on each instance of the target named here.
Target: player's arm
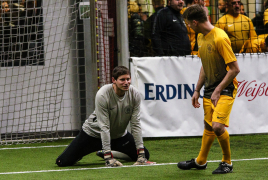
(224, 48)
(136, 131)
(102, 113)
(199, 85)
(135, 123)
(231, 74)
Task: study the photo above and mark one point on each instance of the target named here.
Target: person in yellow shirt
(238, 27)
(265, 15)
(218, 74)
(255, 45)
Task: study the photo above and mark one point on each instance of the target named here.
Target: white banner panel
(167, 85)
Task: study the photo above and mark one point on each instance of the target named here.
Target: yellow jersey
(265, 17)
(254, 45)
(215, 52)
(239, 29)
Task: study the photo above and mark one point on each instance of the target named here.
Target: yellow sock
(224, 141)
(207, 140)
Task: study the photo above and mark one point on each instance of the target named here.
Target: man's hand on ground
(141, 159)
(110, 161)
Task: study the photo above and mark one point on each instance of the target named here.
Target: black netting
(156, 27)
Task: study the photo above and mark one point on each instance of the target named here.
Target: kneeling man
(116, 105)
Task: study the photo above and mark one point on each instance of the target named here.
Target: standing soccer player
(218, 72)
(117, 105)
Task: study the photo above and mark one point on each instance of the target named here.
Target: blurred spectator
(137, 41)
(242, 9)
(191, 33)
(238, 27)
(169, 36)
(222, 6)
(148, 25)
(265, 17)
(202, 3)
(255, 45)
(21, 33)
(258, 20)
(143, 15)
(4, 8)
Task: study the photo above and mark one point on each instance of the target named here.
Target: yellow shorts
(221, 112)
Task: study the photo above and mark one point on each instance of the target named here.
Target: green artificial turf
(29, 162)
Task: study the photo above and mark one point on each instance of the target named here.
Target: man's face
(242, 10)
(122, 83)
(176, 4)
(221, 6)
(234, 7)
(4, 7)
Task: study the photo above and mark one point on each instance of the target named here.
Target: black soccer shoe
(223, 168)
(186, 165)
(100, 153)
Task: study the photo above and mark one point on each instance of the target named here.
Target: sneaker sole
(223, 172)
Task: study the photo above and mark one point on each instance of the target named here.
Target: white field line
(82, 169)
(33, 147)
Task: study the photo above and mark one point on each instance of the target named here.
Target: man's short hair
(195, 12)
(119, 71)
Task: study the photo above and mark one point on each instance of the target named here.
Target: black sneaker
(223, 168)
(100, 154)
(186, 165)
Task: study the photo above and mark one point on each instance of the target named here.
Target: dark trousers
(84, 144)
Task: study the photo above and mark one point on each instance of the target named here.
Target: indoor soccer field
(37, 161)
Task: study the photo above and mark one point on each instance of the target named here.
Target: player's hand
(215, 97)
(195, 98)
(141, 159)
(110, 161)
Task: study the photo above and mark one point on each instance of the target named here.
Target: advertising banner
(167, 85)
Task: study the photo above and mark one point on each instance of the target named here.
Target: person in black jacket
(169, 34)
(148, 25)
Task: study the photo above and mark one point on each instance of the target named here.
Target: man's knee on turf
(147, 154)
(61, 163)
